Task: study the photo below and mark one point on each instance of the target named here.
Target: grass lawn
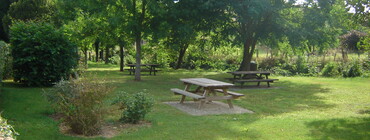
(302, 108)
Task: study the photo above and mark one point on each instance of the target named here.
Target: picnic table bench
(204, 88)
(151, 68)
(251, 76)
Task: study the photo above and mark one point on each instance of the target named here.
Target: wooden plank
(249, 72)
(182, 92)
(132, 65)
(204, 82)
(230, 92)
(255, 80)
(215, 98)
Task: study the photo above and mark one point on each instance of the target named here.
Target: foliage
(354, 69)
(2, 58)
(251, 22)
(281, 71)
(351, 40)
(42, 54)
(81, 103)
(330, 70)
(361, 9)
(364, 44)
(134, 106)
(26, 10)
(6, 131)
(4, 7)
(5, 61)
(270, 62)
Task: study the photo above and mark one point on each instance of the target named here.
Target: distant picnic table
(151, 68)
(204, 88)
(251, 76)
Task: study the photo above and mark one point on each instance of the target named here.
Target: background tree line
(191, 34)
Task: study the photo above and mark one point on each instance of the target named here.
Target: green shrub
(353, 70)
(2, 59)
(280, 71)
(41, 54)
(5, 61)
(6, 131)
(81, 103)
(330, 70)
(366, 64)
(270, 63)
(134, 106)
(300, 66)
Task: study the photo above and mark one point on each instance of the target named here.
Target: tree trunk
(138, 32)
(96, 44)
(121, 56)
(89, 55)
(101, 55)
(85, 57)
(344, 55)
(106, 54)
(138, 58)
(181, 55)
(249, 46)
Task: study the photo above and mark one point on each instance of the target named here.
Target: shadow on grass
(341, 129)
(290, 97)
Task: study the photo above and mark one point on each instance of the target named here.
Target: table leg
(153, 70)
(202, 101)
(187, 86)
(132, 69)
(228, 100)
(201, 104)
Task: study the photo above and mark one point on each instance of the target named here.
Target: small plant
(353, 70)
(6, 131)
(134, 106)
(330, 70)
(81, 103)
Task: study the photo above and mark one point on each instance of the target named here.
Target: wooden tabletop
(204, 82)
(249, 72)
(132, 65)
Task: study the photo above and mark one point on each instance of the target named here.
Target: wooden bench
(242, 81)
(186, 93)
(234, 94)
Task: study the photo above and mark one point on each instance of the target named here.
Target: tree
(140, 16)
(252, 21)
(186, 19)
(351, 40)
(26, 10)
(4, 7)
(361, 9)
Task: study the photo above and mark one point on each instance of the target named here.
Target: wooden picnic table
(151, 68)
(205, 87)
(251, 76)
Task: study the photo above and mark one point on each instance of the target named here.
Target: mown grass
(301, 108)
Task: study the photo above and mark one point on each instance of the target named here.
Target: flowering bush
(6, 131)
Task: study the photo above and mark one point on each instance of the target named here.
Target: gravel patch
(209, 108)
